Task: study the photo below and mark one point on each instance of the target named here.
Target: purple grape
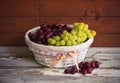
(43, 27)
(97, 64)
(84, 71)
(92, 64)
(40, 37)
(67, 71)
(81, 64)
(73, 70)
(89, 70)
(86, 64)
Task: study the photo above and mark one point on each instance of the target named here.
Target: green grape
(89, 35)
(65, 38)
(49, 39)
(75, 29)
(83, 39)
(57, 43)
(87, 32)
(68, 43)
(85, 28)
(79, 34)
(65, 33)
(61, 35)
(93, 32)
(73, 32)
(78, 40)
(70, 37)
(75, 24)
(85, 36)
(62, 43)
(73, 42)
(74, 37)
(80, 26)
(52, 41)
(57, 38)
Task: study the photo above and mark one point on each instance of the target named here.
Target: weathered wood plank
(56, 72)
(59, 8)
(79, 8)
(16, 69)
(17, 25)
(107, 40)
(109, 58)
(19, 8)
(59, 79)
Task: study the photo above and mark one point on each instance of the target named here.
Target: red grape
(89, 70)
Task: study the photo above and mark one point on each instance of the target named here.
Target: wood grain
(24, 69)
(79, 8)
(59, 79)
(18, 25)
(19, 8)
(59, 8)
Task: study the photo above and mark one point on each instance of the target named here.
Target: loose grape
(68, 43)
(62, 43)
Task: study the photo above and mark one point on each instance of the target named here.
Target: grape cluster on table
(62, 34)
(84, 67)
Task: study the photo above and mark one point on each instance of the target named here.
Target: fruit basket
(57, 56)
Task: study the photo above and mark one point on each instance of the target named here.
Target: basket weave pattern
(45, 55)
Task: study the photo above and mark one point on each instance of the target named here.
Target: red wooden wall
(17, 16)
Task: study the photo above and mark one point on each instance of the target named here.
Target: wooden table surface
(17, 65)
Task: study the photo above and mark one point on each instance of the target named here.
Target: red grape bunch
(84, 67)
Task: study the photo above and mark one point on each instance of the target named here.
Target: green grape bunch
(79, 34)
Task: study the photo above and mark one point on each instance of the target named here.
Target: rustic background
(17, 16)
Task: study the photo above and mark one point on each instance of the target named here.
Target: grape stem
(92, 56)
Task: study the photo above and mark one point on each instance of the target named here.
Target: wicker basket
(45, 55)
